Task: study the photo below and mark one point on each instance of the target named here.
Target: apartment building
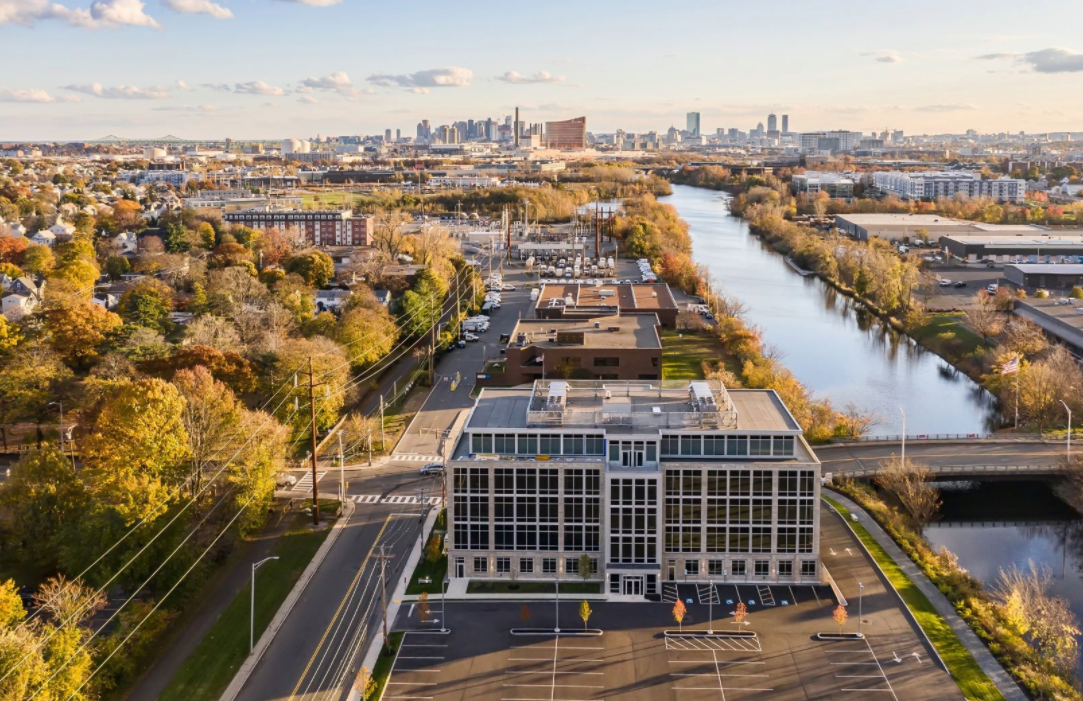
(836, 186)
(929, 185)
(652, 480)
(321, 227)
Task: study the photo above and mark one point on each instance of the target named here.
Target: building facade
(929, 185)
(566, 134)
(639, 482)
(692, 124)
(321, 227)
(835, 185)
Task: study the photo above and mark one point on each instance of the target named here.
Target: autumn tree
(137, 449)
(1046, 621)
(422, 304)
(585, 566)
(330, 368)
(679, 612)
(740, 613)
(388, 233)
(211, 418)
(38, 260)
(253, 467)
(368, 333)
(29, 380)
(584, 612)
(841, 616)
(77, 330)
(423, 610)
(315, 267)
(912, 485)
(147, 303)
(41, 497)
(228, 366)
(1025, 338)
(983, 317)
(433, 551)
(365, 684)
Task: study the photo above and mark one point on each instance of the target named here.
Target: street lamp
(903, 434)
(443, 611)
(860, 602)
(1068, 442)
(556, 601)
(252, 605)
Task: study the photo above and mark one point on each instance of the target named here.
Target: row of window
(525, 565)
(712, 510)
(526, 480)
(537, 444)
(526, 536)
(738, 539)
(739, 568)
(727, 446)
(740, 483)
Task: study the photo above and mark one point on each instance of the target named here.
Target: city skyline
(204, 69)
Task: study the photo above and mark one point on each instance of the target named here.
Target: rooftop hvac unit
(608, 394)
(597, 324)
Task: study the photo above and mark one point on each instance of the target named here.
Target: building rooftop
(631, 406)
(627, 297)
(1048, 268)
(1031, 243)
(603, 332)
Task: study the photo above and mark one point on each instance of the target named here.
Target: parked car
(471, 337)
(959, 283)
(507, 288)
(990, 264)
(991, 289)
(433, 468)
(944, 282)
(285, 479)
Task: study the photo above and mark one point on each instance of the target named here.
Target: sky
(270, 69)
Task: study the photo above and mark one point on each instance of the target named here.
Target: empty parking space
(717, 668)
(555, 668)
(417, 669)
(842, 669)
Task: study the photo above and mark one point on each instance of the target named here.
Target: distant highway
(840, 459)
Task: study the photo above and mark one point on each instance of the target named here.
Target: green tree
(29, 381)
(38, 260)
(368, 334)
(585, 566)
(252, 473)
(148, 304)
(41, 497)
(176, 238)
(137, 449)
(117, 266)
(421, 306)
(315, 267)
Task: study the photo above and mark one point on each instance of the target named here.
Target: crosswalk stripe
(414, 457)
(393, 499)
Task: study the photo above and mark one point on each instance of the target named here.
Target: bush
(1076, 293)
(1042, 294)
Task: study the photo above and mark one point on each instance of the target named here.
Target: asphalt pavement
(839, 459)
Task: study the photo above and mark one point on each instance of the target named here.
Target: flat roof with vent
(616, 332)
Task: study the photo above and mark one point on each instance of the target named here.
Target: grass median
(212, 665)
(972, 680)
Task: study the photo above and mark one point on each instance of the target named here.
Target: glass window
(528, 444)
(740, 483)
(691, 567)
(573, 445)
(503, 565)
(548, 482)
(762, 483)
(759, 445)
(652, 452)
(783, 446)
(571, 565)
(594, 445)
(737, 445)
(526, 565)
(761, 539)
(549, 565)
(808, 568)
(671, 445)
(785, 568)
(763, 568)
(787, 539)
(504, 479)
(526, 481)
(714, 568)
(549, 444)
(716, 539)
(738, 539)
(738, 568)
(691, 445)
(761, 511)
(481, 565)
(504, 443)
(486, 443)
(691, 483)
(808, 484)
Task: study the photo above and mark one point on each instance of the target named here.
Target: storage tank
(291, 146)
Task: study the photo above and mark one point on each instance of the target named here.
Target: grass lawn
(966, 341)
(684, 352)
(434, 571)
(505, 587)
(384, 663)
(212, 665)
(333, 200)
(962, 666)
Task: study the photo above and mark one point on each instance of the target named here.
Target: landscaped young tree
(841, 616)
(584, 612)
(365, 684)
(585, 568)
(740, 613)
(423, 611)
(524, 614)
(679, 612)
(433, 551)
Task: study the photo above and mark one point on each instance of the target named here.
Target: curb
(268, 636)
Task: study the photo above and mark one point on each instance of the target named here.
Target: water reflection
(833, 345)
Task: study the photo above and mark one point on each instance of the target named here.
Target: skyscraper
(785, 124)
(772, 122)
(692, 124)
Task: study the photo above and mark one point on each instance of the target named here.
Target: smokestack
(516, 127)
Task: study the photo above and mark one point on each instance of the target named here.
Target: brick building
(321, 227)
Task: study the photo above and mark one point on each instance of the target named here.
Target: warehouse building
(1045, 276)
(640, 482)
(1064, 246)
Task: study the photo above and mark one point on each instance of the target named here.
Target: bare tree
(983, 317)
(858, 421)
(911, 483)
(389, 231)
(1025, 338)
(1044, 620)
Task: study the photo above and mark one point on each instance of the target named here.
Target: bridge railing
(970, 470)
(897, 438)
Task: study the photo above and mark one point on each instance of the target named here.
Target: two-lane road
(842, 458)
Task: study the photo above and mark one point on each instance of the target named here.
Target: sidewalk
(969, 638)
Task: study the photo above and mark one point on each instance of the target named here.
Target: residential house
(22, 297)
(45, 237)
(62, 229)
(331, 300)
(105, 300)
(127, 243)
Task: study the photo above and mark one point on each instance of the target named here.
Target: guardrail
(897, 438)
(971, 470)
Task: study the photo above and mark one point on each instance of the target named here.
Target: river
(834, 346)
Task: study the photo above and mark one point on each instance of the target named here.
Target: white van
(534, 294)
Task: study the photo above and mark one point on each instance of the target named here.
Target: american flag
(1010, 367)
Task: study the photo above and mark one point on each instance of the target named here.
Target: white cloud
(101, 13)
(335, 82)
(539, 77)
(120, 92)
(453, 77)
(182, 85)
(218, 87)
(1051, 60)
(187, 108)
(885, 56)
(199, 7)
(25, 95)
(948, 107)
(258, 87)
(307, 99)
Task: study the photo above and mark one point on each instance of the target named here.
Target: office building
(785, 124)
(652, 481)
(929, 185)
(692, 124)
(835, 185)
(566, 134)
(828, 141)
(320, 227)
(772, 123)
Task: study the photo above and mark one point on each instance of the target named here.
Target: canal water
(991, 525)
(835, 347)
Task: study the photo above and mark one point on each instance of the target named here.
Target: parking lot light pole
(556, 600)
(710, 609)
(443, 607)
(1068, 443)
(252, 605)
(860, 602)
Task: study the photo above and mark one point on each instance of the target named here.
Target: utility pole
(383, 558)
(383, 438)
(341, 470)
(432, 343)
(312, 410)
